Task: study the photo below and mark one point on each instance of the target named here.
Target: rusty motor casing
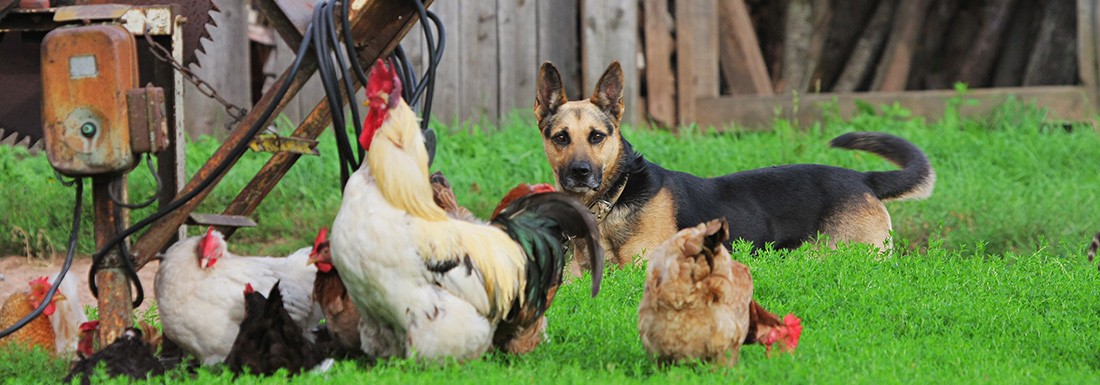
(86, 73)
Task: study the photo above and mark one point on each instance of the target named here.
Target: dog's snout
(580, 175)
(580, 169)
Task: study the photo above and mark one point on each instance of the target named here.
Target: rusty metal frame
(377, 26)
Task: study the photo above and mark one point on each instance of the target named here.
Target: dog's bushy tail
(916, 178)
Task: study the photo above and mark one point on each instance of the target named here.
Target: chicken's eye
(560, 139)
(596, 137)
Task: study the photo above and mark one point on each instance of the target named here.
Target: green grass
(941, 317)
(989, 282)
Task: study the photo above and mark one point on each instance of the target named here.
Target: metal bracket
(276, 144)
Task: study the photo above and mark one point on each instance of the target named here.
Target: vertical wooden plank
(559, 42)
(448, 80)
(224, 66)
(742, 63)
(477, 49)
(798, 33)
(696, 53)
(1087, 67)
(518, 55)
(610, 32)
(893, 71)
(660, 80)
(1052, 59)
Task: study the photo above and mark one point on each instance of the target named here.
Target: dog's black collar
(603, 205)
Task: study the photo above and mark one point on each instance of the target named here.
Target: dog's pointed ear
(549, 92)
(608, 95)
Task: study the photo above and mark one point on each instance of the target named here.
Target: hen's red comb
(39, 282)
(787, 335)
(248, 289)
(208, 243)
(89, 326)
(322, 237)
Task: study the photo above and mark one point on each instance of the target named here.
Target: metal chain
(235, 113)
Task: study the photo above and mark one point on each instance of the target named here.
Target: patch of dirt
(17, 271)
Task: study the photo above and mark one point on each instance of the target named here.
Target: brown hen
(39, 332)
(696, 301)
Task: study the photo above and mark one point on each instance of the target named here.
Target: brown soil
(17, 271)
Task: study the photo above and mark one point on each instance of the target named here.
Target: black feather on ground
(269, 339)
(128, 356)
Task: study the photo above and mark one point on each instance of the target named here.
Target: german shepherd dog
(639, 204)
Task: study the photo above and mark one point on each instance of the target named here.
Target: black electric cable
(206, 182)
(357, 70)
(146, 203)
(77, 210)
(349, 86)
(332, 91)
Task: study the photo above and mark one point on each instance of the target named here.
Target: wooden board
(1064, 103)
(659, 77)
(1088, 36)
(559, 42)
(476, 46)
(225, 67)
(696, 53)
(893, 69)
(741, 61)
(448, 77)
(518, 56)
(610, 32)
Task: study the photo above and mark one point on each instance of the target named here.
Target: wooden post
(115, 309)
(660, 80)
(1088, 63)
(609, 31)
(893, 69)
(697, 55)
(742, 62)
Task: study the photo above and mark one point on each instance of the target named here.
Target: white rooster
(199, 286)
(444, 288)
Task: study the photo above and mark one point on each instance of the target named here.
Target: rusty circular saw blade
(17, 138)
(198, 14)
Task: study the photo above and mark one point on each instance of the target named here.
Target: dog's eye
(596, 137)
(560, 139)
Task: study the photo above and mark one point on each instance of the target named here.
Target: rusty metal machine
(106, 96)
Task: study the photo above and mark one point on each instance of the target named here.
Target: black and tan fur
(782, 205)
(1093, 247)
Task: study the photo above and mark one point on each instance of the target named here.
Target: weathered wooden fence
(716, 62)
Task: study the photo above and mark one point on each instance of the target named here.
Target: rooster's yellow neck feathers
(398, 160)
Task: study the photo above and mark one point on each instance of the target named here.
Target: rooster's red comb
(248, 289)
(383, 92)
(542, 188)
(383, 80)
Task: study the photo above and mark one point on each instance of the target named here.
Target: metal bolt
(88, 129)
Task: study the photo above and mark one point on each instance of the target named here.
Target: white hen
(199, 286)
(69, 315)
